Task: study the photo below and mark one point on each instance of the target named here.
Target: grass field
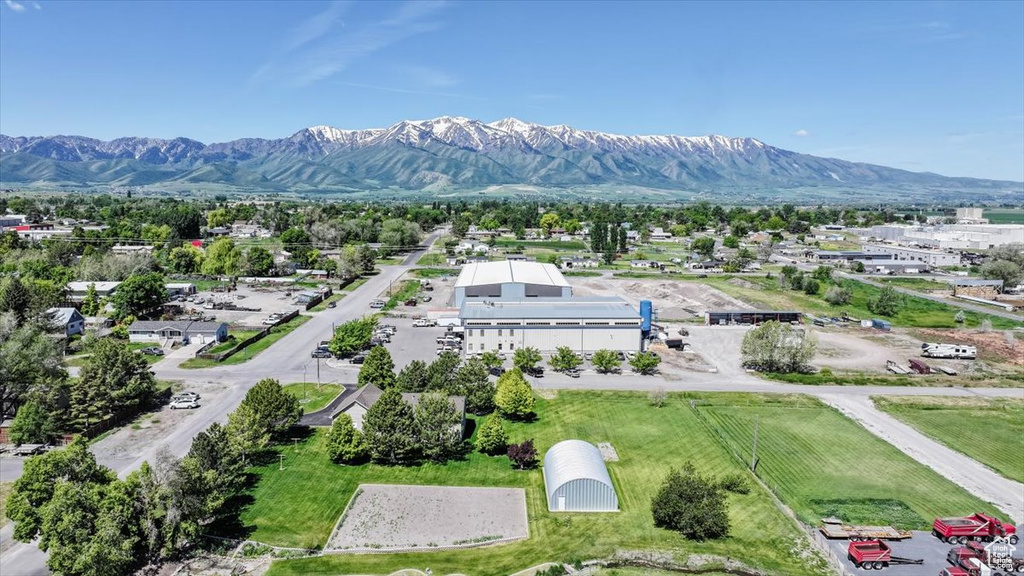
(841, 378)
(823, 464)
(434, 272)
(431, 259)
(400, 294)
(243, 355)
(299, 505)
(549, 244)
(997, 443)
(920, 284)
(312, 397)
(916, 312)
(1005, 215)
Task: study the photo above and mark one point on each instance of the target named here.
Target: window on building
(469, 332)
(499, 331)
(511, 346)
(470, 346)
(511, 331)
(499, 345)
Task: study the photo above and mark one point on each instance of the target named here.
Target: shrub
(691, 504)
(523, 456)
(514, 397)
(735, 483)
(838, 295)
(492, 438)
(887, 303)
(811, 286)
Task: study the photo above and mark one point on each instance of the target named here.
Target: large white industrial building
(960, 236)
(576, 479)
(480, 281)
(505, 306)
(933, 258)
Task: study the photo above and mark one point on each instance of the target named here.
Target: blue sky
(936, 86)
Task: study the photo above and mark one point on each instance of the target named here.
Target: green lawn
(917, 312)
(400, 294)
(355, 284)
(434, 272)
(312, 397)
(323, 305)
(276, 333)
(550, 244)
(822, 464)
(986, 429)
(1005, 215)
(431, 259)
(920, 284)
(81, 358)
(300, 505)
(581, 273)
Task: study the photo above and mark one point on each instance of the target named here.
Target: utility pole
(753, 454)
(318, 373)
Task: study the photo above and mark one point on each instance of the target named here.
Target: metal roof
(100, 286)
(975, 282)
(501, 272)
(368, 395)
(553, 308)
(180, 325)
(574, 460)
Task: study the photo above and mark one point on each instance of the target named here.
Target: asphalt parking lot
(922, 546)
(411, 343)
(267, 300)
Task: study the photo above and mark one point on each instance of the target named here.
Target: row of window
(511, 332)
(511, 346)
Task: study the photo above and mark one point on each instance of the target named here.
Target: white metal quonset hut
(577, 480)
(509, 279)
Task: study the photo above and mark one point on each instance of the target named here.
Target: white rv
(957, 351)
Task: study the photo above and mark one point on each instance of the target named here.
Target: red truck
(874, 555)
(970, 567)
(962, 556)
(980, 527)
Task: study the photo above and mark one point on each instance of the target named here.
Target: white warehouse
(509, 279)
(576, 479)
(582, 324)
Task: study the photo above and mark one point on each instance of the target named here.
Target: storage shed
(577, 480)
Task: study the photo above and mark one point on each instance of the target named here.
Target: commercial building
(847, 256)
(479, 281)
(889, 266)
(971, 216)
(723, 317)
(582, 324)
(180, 289)
(966, 235)
(183, 331)
(576, 479)
(933, 258)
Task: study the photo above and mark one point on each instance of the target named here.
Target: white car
(424, 323)
(377, 304)
(184, 404)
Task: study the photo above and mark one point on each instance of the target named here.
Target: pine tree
(378, 369)
(345, 444)
(91, 302)
(389, 429)
(439, 426)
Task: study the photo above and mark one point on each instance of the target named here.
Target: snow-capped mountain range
(445, 153)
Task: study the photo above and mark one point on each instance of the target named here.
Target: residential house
(645, 264)
(518, 258)
(659, 234)
(315, 274)
(78, 290)
(126, 249)
(179, 289)
(69, 319)
(359, 403)
(578, 262)
(632, 236)
(218, 231)
(179, 331)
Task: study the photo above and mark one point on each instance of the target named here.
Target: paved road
(288, 360)
(322, 417)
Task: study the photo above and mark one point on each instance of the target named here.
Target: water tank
(646, 312)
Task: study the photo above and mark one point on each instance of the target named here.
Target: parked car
(358, 359)
(535, 371)
(496, 370)
(184, 404)
(573, 372)
(588, 356)
(377, 304)
(424, 323)
(684, 332)
(188, 395)
(321, 353)
(332, 304)
(411, 302)
(153, 351)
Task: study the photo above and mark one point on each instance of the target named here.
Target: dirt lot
(862, 349)
(672, 299)
(991, 345)
(442, 296)
(384, 517)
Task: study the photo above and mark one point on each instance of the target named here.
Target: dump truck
(971, 567)
(836, 529)
(978, 527)
(961, 556)
(875, 555)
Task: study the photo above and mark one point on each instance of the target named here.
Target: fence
(319, 298)
(816, 538)
(115, 420)
(244, 343)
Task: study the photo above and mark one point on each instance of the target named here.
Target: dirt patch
(387, 517)
(994, 345)
(741, 283)
(851, 349)
(672, 299)
(608, 453)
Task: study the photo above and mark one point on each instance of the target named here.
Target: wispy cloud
(322, 46)
(15, 5)
(801, 133)
(926, 31)
(431, 77)
(408, 91)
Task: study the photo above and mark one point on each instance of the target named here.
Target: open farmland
(823, 464)
(299, 505)
(986, 429)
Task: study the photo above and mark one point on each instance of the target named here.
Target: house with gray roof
(357, 405)
(180, 331)
(68, 319)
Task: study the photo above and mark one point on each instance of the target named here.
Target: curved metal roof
(574, 460)
(485, 273)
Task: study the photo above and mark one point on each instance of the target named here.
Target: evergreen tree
(389, 429)
(442, 372)
(491, 438)
(414, 377)
(345, 444)
(472, 381)
(514, 397)
(378, 369)
(275, 410)
(439, 426)
(91, 302)
(15, 298)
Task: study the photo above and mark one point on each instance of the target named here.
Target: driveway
(322, 417)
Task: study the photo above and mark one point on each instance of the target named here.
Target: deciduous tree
(888, 302)
(526, 358)
(353, 336)
(705, 246)
(491, 438)
(389, 429)
(439, 426)
(645, 363)
(139, 294)
(606, 361)
(691, 504)
(522, 455)
(564, 359)
(32, 425)
(514, 397)
(775, 347)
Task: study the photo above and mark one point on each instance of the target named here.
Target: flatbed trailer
(835, 529)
